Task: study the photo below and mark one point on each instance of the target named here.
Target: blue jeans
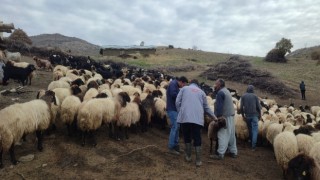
(174, 132)
(252, 123)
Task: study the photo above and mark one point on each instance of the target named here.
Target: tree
(142, 43)
(20, 36)
(278, 53)
(284, 45)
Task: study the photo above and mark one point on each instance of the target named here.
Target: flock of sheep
(84, 100)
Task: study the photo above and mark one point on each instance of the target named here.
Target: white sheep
(58, 84)
(91, 93)
(14, 56)
(93, 112)
(24, 118)
(241, 128)
(69, 110)
(273, 130)
(285, 148)
(130, 89)
(305, 143)
(315, 153)
(61, 68)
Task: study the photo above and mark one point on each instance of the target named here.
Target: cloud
(249, 27)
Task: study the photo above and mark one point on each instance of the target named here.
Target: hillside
(65, 43)
(304, 52)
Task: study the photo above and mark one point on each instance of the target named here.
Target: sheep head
(300, 167)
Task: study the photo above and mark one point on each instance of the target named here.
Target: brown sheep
(43, 63)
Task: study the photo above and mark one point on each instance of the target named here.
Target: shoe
(234, 155)
(216, 157)
(177, 148)
(174, 152)
(188, 152)
(198, 156)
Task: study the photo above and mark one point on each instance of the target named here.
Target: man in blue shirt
(172, 92)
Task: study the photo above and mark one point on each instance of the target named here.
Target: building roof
(128, 47)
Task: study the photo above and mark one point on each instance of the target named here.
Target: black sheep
(17, 73)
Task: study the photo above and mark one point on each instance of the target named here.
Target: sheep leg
(210, 145)
(12, 155)
(40, 139)
(126, 132)
(1, 163)
(69, 130)
(84, 134)
(217, 146)
(24, 138)
(92, 133)
(111, 130)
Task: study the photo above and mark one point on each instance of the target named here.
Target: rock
(26, 158)
(44, 165)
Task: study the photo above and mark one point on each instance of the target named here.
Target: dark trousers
(303, 94)
(190, 132)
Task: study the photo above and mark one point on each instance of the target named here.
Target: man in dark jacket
(251, 112)
(172, 92)
(303, 90)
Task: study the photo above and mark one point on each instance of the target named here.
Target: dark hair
(194, 81)
(222, 83)
(183, 79)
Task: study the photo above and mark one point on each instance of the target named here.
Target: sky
(246, 27)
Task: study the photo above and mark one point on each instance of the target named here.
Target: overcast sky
(248, 27)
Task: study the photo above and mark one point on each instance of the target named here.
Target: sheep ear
(38, 94)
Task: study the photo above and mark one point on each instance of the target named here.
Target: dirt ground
(142, 156)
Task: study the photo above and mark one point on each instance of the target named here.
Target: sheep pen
(63, 157)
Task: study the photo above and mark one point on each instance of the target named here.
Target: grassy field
(290, 73)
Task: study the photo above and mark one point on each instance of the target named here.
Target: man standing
(251, 112)
(191, 105)
(172, 92)
(224, 107)
(303, 90)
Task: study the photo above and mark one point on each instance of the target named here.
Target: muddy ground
(142, 156)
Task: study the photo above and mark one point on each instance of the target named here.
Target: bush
(20, 36)
(170, 47)
(275, 55)
(315, 55)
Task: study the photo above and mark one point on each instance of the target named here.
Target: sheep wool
(273, 130)
(22, 119)
(315, 153)
(58, 84)
(285, 148)
(305, 143)
(69, 109)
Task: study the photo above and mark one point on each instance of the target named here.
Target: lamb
(20, 119)
(13, 72)
(69, 110)
(14, 56)
(213, 129)
(303, 167)
(285, 148)
(43, 63)
(305, 143)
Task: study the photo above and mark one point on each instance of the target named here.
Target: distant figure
(303, 90)
(1, 70)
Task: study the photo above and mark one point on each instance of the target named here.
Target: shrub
(275, 55)
(315, 55)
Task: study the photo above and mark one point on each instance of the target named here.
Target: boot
(188, 152)
(198, 156)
